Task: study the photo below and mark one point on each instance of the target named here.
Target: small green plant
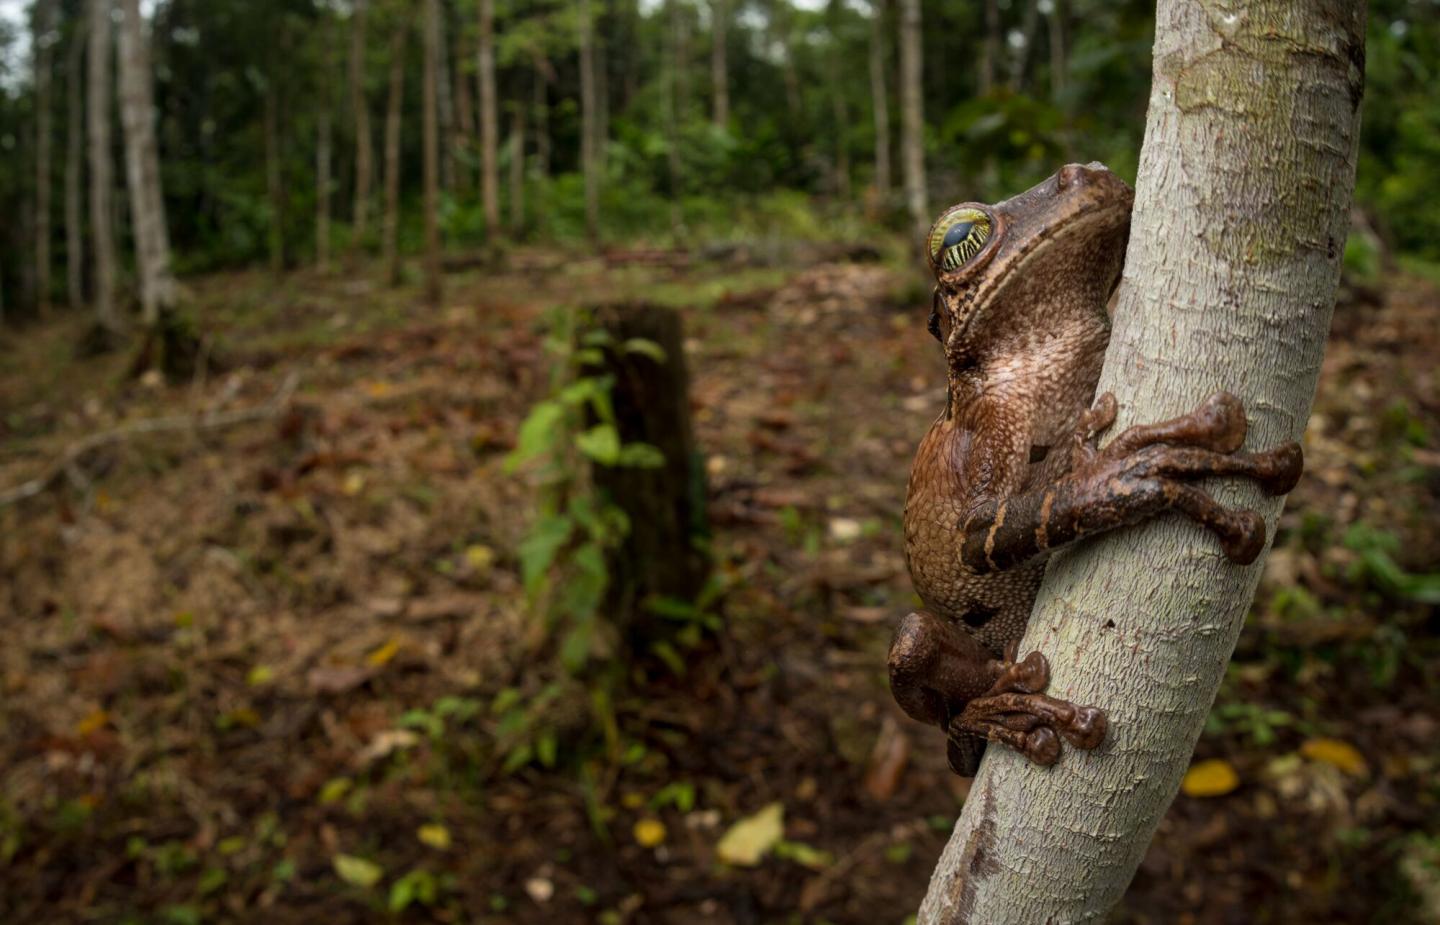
(563, 558)
(1375, 564)
(1257, 722)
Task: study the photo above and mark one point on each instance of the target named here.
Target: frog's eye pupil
(958, 237)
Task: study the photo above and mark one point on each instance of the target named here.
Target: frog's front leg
(940, 674)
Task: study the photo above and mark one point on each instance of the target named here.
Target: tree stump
(664, 554)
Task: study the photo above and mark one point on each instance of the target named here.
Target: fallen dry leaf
(1213, 778)
(750, 839)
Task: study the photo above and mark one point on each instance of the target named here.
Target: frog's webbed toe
(1015, 713)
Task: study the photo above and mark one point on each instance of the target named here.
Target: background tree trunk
(74, 170)
(395, 104)
(101, 177)
(588, 154)
(360, 115)
(517, 170)
(880, 99)
(1229, 284)
(430, 130)
(465, 105)
(912, 116)
(322, 190)
(836, 68)
(719, 70)
(274, 181)
(42, 42)
(1059, 61)
(142, 159)
(445, 108)
(543, 72)
(489, 121)
(990, 51)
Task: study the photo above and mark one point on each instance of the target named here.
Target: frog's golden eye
(957, 237)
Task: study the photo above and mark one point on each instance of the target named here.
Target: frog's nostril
(1071, 175)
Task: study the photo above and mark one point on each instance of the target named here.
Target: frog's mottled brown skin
(1011, 470)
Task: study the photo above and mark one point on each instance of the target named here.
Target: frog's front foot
(1149, 468)
(1014, 711)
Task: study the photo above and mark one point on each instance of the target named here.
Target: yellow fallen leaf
(353, 484)
(260, 675)
(357, 871)
(1213, 778)
(434, 835)
(649, 832)
(334, 790)
(479, 557)
(379, 389)
(1335, 752)
(94, 721)
(751, 838)
(383, 654)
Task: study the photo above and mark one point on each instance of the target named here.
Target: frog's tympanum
(1013, 469)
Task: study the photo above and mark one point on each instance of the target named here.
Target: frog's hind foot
(1015, 712)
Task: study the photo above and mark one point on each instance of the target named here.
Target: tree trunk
(1059, 60)
(465, 106)
(1020, 55)
(274, 184)
(142, 159)
(517, 171)
(880, 99)
(660, 556)
(445, 107)
(74, 170)
(322, 190)
(360, 114)
(42, 43)
(990, 49)
(671, 81)
(1229, 284)
(430, 131)
(588, 154)
(719, 72)
(912, 116)
(489, 121)
(542, 119)
(101, 177)
(390, 245)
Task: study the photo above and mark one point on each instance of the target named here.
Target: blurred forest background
(310, 546)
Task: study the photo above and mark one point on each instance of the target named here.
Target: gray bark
(880, 99)
(142, 160)
(431, 132)
(74, 170)
(719, 71)
(589, 156)
(1241, 215)
(360, 115)
(489, 120)
(43, 41)
(912, 115)
(101, 173)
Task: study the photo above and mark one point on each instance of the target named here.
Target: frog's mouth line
(1079, 221)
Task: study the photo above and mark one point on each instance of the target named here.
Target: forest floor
(268, 668)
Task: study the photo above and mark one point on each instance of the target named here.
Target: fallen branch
(70, 462)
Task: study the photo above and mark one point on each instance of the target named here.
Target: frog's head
(1036, 260)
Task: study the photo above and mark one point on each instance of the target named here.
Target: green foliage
(1375, 564)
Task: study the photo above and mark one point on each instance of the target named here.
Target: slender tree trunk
(602, 94)
(395, 104)
(588, 154)
(322, 190)
(274, 184)
(838, 109)
(1229, 284)
(880, 99)
(142, 158)
(672, 116)
(912, 116)
(542, 118)
(101, 178)
(517, 171)
(719, 72)
(990, 49)
(74, 169)
(1020, 55)
(360, 115)
(1059, 60)
(446, 109)
(489, 120)
(465, 105)
(42, 42)
(430, 131)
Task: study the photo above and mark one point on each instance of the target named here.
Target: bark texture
(142, 160)
(1241, 215)
(101, 174)
(44, 24)
(489, 120)
(912, 115)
